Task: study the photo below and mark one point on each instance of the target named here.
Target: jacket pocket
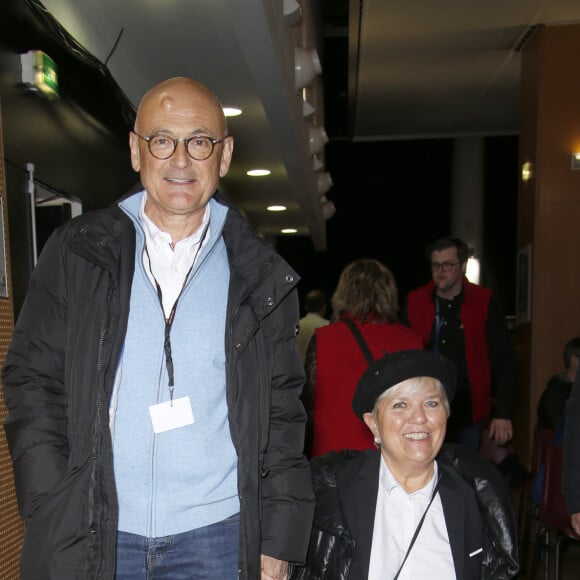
(57, 534)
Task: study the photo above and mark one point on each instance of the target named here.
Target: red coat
(473, 311)
(339, 365)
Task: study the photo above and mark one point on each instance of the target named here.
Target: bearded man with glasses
(464, 322)
(153, 380)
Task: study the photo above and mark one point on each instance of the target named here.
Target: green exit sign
(45, 75)
(39, 73)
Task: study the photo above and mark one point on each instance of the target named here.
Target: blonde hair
(367, 289)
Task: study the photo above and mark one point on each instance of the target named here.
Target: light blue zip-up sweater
(186, 478)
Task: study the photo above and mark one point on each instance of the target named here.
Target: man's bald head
(179, 185)
(171, 93)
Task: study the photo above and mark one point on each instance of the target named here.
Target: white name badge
(165, 417)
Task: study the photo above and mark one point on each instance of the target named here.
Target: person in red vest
(366, 297)
(464, 322)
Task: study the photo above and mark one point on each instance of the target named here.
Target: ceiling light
(328, 209)
(306, 66)
(472, 270)
(317, 138)
(292, 12)
(316, 163)
(289, 231)
(307, 109)
(258, 172)
(232, 111)
(324, 182)
(276, 208)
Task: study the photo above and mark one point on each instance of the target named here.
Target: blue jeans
(206, 553)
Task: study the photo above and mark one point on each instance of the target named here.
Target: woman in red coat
(366, 295)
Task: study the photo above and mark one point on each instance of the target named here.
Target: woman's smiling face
(410, 420)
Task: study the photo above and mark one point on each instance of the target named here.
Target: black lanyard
(171, 317)
(438, 324)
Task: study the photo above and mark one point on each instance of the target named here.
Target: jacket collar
(260, 276)
(101, 236)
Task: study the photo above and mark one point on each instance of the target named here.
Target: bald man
(153, 380)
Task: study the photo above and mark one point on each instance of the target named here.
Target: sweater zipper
(153, 451)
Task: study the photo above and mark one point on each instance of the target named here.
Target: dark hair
(315, 301)
(367, 289)
(462, 248)
(571, 348)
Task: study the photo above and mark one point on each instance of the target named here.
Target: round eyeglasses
(162, 146)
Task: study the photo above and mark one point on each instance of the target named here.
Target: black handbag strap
(418, 528)
(370, 359)
(359, 338)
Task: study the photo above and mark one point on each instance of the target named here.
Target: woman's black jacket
(333, 548)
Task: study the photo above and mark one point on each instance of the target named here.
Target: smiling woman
(411, 508)
(408, 422)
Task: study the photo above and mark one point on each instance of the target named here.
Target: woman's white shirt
(396, 517)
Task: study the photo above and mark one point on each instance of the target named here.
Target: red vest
(339, 365)
(473, 312)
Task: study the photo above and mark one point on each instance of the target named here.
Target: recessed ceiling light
(232, 111)
(276, 208)
(258, 172)
(289, 231)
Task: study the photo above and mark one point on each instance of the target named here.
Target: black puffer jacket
(58, 379)
(333, 547)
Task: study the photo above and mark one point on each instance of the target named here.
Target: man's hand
(501, 431)
(273, 569)
(575, 521)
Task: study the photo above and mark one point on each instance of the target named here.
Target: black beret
(396, 367)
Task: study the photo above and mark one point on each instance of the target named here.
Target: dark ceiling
(271, 133)
(82, 78)
(334, 54)
(400, 79)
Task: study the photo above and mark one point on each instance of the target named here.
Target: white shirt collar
(158, 236)
(388, 482)
(166, 265)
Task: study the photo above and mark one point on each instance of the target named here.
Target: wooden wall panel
(549, 210)
(11, 527)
